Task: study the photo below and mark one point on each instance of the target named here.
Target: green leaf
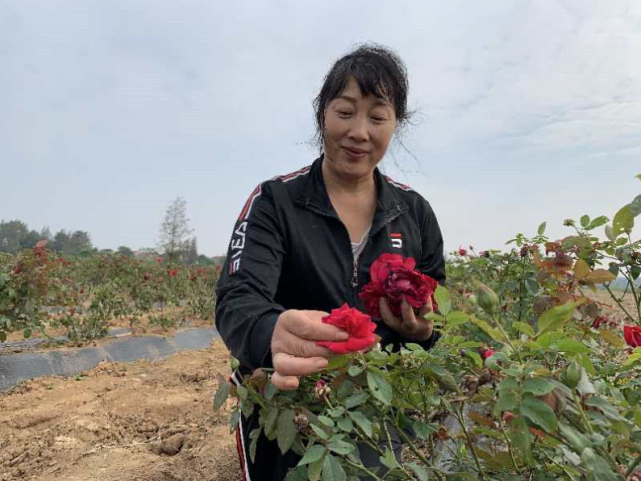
(442, 297)
(362, 422)
(315, 469)
(388, 459)
(597, 468)
(508, 383)
(571, 345)
(332, 469)
(585, 221)
(442, 376)
(637, 416)
(345, 424)
(632, 359)
(456, 318)
(337, 362)
(340, 447)
(623, 221)
(254, 435)
(605, 407)
(576, 440)
(270, 391)
(494, 333)
(475, 357)
(3, 336)
(507, 402)
(541, 229)
(521, 439)
(379, 387)
(523, 327)
(326, 421)
(320, 432)
(222, 393)
(421, 430)
(598, 222)
(270, 422)
(554, 317)
(419, 471)
(609, 233)
(611, 338)
(538, 386)
(539, 413)
(313, 454)
(285, 430)
(356, 399)
(355, 370)
(27, 333)
(635, 206)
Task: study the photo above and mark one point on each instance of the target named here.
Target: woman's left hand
(411, 327)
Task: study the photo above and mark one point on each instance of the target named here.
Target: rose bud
(486, 298)
(322, 390)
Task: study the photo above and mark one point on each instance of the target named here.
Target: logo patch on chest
(397, 240)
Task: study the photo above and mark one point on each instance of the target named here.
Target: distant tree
(30, 239)
(12, 233)
(45, 233)
(203, 260)
(191, 255)
(175, 231)
(60, 241)
(125, 251)
(78, 242)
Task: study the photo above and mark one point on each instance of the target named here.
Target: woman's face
(357, 132)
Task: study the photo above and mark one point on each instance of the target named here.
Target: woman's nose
(358, 128)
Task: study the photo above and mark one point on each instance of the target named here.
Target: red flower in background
(462, 252)
(486, 353)
(632, 335)
(172, 272)
(359, 326)
(146, 277)
(158, 260)
(393, 276)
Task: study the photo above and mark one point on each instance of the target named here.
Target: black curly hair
(377, 71)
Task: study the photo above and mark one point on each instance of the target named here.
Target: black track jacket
(290, 250)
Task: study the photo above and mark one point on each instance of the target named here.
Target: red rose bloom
(158, 260)
(359, 326)
(462, 252)
(486, 353)
(393, 276)
(172, 272)
(632, 335)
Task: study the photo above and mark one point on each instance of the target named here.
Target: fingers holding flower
(409, 325)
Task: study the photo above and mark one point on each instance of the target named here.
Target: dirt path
(150, 421)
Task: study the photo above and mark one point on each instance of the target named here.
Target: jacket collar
(314, 196)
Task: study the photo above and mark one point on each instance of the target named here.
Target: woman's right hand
(294, 349)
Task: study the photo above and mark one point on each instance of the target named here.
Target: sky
(526, 111)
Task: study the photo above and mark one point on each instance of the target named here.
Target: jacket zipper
(371, 233)
(354, 281)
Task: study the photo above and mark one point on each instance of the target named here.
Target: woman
(304, 242)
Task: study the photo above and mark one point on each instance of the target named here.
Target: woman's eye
(379, 120)
(344, 113)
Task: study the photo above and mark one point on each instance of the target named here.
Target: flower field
(536, 375)
(43, 294)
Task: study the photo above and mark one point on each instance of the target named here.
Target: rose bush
(523, 384)
(39, 289)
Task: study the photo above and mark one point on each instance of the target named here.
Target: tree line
(176, 242)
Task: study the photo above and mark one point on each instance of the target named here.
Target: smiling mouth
(354, 153)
